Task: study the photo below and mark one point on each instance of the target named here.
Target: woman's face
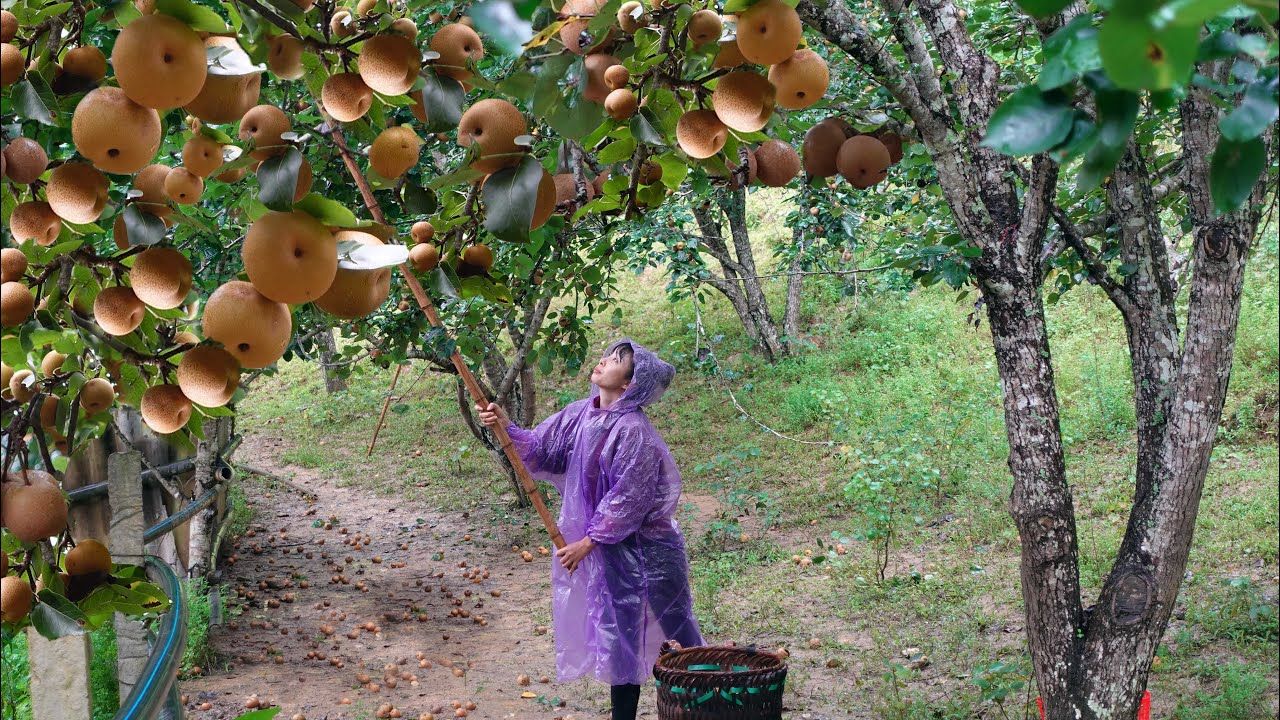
(611, 372)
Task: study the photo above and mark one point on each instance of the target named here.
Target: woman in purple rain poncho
(621, 584)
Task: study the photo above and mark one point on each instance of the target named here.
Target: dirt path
(357, 601)
(354, 603)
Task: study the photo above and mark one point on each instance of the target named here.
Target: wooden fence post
(124, 488)
(60, 676)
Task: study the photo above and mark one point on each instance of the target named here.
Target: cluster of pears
(743, 99)
(20, 385)
(160, 63)
(17, 304)
(34, 508)
(834, 147)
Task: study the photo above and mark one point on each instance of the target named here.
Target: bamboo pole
(382, 417)
(424, 302)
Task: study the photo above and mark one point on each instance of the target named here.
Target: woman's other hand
(492, 415)
(571, 555)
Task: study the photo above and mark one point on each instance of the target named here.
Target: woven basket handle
(670, 647)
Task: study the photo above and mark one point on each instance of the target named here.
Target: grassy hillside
(898, 407)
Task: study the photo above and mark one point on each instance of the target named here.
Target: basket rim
(671, 655)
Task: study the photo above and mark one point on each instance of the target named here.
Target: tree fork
(429, 309)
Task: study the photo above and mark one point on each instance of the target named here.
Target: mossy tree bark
(333, 382)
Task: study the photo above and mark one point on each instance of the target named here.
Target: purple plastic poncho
(620, 487)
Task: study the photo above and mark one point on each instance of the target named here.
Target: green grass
(102, 674)
(890, 370)
(199, 651)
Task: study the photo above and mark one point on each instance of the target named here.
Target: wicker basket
(719, 683)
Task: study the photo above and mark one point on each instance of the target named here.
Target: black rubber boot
(625, 699)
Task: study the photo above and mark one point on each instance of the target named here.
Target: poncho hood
(650, 378)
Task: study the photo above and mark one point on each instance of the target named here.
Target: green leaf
(1234, 169)
(48, 12)
(483, 287)
(1029, 122)
(464, 174)
(440, 284)
(509, 198)
(1042, 8)
(62, 605)
(197, 16)
(1082, 137)
(518, 85)
(1069, 53)
(442, 99)
(674, 170)
(575, 120)
(328, 212)
(1257, 110)
(558, 98)
(418, 199)
(605, 17)
(143, 227)
(617, 151)
(278, 180)
(28, 104)
(1138, 56)
(52, 623)
(1191, 12)
(645, 129)
(1117, 113)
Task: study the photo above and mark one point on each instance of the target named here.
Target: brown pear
(394, 151)
(264, 125)
(118, 310)
(493, 125)
(389, 64)
(202, 155)
(863, 161)
(35, 220)
(801, 79)
(457, 45)
(769, 32)
(208, 375)
(743, 100)
(16, 304)
(290, 257)
(821, 146)
(161, 277)
(159, 61)
(165, 409)
(251, 327)
(776, 163)
(116, 134)
(701, 134)
(346, 97)
(24, 160)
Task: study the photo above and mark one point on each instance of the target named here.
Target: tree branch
(923, 72)
(533, 323)
(1097, 272)
(273, 17)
